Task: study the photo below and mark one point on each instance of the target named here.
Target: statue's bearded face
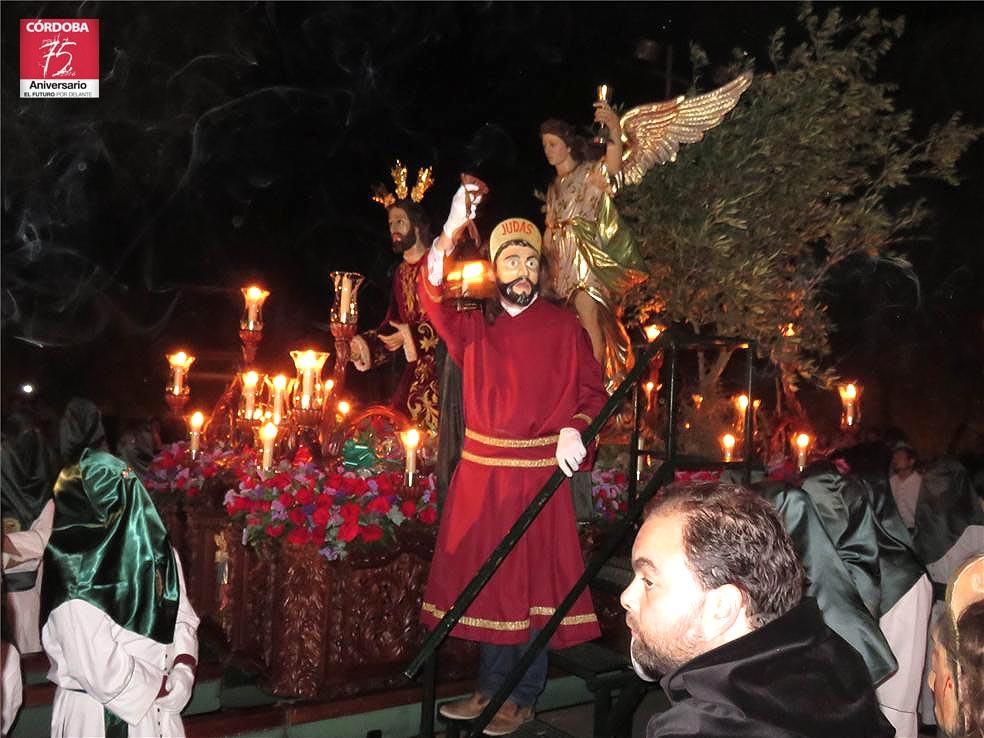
(517, 273)
(402, 231)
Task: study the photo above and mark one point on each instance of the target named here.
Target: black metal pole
(749, 413)
(429, 697)
(671, 406)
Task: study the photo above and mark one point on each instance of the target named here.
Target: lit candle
(728, 446)
(849, 396)
(652, 332)
(741, 405)
(254, 297)
(180, 364)
(345, 299)
(268, 434)
(649, 387)
(411, 439)
(698, 400)
(344, 408)
(279, 386)
(250, 380)
(195, 423)
(472, 274)
(802, 441)
(604, 93)
(309, 364)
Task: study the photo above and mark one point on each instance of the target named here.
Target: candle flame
(848, 391)
(268, 432)
(652, 332)
(473, 270)
(280, 382)
(344, 407)
(789, 331)
(250, 379)
(802, 440)
(650, 386)
(329, 385)
(255, 294)
(728, 441)
(180, 359)
(742, 402)
(196, 421)
(411, 438)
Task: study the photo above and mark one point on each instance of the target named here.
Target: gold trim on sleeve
(582, 416)
(511, 442)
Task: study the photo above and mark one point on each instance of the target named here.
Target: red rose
(334, 481)
(303, 456)
(252, 520)
(321, 516)
(275, 531)
(378, 505)
(298, 537)
(318, 534)
(323, 500)
(350, 512)
(428, 515)
(370, 533)
(408, 508)
(286, 499)
(297, 516)
(348, 530)
(304, 496)
(181, 482)
(280, 480)
(209, 470)
(385, 485)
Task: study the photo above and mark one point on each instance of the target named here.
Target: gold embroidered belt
(512, 624)
(494, 446)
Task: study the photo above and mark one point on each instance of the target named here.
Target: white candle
(728, 446)
(307, 387)
(249, 393)
(411, 439)
(178, 380)
(195, 424)
(802, 445)
(268, 434)
(279, 385)
(345, 300)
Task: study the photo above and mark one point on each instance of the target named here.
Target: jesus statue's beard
(404, 242)
(522, 299)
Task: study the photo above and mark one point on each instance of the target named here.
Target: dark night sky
(239, 140)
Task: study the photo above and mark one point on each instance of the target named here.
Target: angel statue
(592, 257)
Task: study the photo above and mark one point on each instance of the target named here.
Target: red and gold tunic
(525, 377)
(417, 392)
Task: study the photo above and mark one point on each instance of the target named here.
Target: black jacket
(791, 678)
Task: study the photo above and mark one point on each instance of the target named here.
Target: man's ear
(724, 608)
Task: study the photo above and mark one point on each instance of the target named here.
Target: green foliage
(810, 170)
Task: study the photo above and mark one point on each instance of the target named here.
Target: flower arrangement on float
(331, 508)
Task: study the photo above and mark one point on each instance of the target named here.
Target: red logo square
(59, 57)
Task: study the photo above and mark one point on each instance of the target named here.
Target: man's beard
(522, 299)
(670, 650)
(403, 242)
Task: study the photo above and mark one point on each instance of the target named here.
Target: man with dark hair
(717, 608)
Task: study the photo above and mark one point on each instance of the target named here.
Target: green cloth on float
(358, 455)
(828, 579)
(947, 505)
(109, 548)
(850, 524)
(608, 247)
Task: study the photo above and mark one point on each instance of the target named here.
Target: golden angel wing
(652, 133)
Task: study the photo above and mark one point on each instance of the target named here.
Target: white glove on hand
(570, 450)
(460, 213)
(180, 683)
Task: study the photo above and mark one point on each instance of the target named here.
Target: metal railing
(671, 342)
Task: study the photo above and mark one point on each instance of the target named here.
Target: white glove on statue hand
(180, 683)
(462, 211)
(570, 450)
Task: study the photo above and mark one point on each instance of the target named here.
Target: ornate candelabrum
(251, 324)
(177, 391)
(344, 318)
(850, 394)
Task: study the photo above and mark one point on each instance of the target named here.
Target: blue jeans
(497, 661)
